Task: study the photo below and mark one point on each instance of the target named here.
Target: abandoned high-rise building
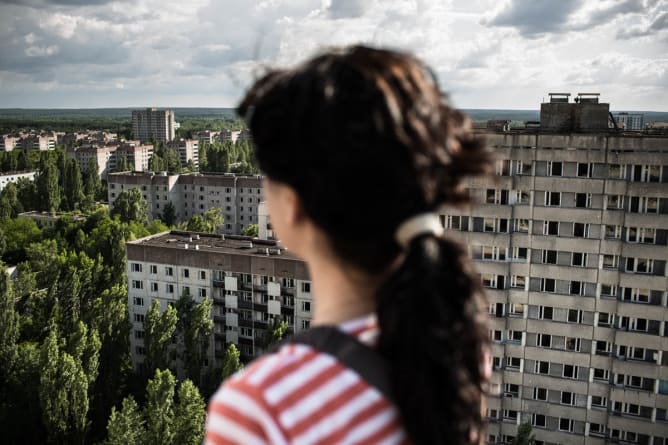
(570, 239)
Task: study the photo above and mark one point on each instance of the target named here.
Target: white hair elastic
(417, 225)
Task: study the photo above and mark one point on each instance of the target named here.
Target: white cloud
(205, 52)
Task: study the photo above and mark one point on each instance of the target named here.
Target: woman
(360, 150)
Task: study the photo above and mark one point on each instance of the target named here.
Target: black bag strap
(349, 351)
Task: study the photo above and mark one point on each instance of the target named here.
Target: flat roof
(207, 242)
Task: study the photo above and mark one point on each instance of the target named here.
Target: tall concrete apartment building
(629, 121)
(251, 282)
(571, 244)
(152, 123)
(194, 194)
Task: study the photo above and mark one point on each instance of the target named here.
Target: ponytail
(433, 332)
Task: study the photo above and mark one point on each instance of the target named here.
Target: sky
(203, 53)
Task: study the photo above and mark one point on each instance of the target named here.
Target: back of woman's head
(367, 140)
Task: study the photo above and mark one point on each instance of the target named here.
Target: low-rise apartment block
(251, 281)
(7, 177)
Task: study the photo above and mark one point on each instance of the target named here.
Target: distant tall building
(153, 124)
(629, 121)
(571, 242)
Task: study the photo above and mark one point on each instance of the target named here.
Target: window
(518, 281)
(513, 362)
(494, 196)
(583, 200)
(154, 287)
(549, 257)
(610, 261)
(545, 312)
(552, 198)
(201, 292)
(306, 324)
(605, 319)
(573, 344)
(639, 265)
(139, 334)
(169, 271)
(520, 197)
(547, 284)
(613, 232)
(202, 275)
(509, 414)
(544, 340)
(493, 281)
(550, 227)
(135, 267)
(644, 204)
(138, 301)
(599, 401)
(608, 290)
(554, 168)
(566, 424)
(581, 230)
(640, 235)
(186, 290)
(495, 335)
(646, 173)
(495, 225)
(521, 225)
(306, 287)
(636, 295)
(579, 259)
(601, 374)
(576, 288)
(169, 288)
(139, 318)
(515, 336)
(516, 310)
(493, 253)
(153, 269)
(520, 253)
(614, 202)
(575, 316)
(137, 284)
(570, 371)
(540, 394)
(603, 347)
(567, 398)
(511, 390)
(306, 306)
(585, 169)
(542, 367)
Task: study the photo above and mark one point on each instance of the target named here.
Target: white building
(193, 194)
(6, 178)
(251, 282)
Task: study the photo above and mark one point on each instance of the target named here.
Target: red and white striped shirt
(299, 395)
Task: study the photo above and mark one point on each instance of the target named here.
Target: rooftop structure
(585, 114)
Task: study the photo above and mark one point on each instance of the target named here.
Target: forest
(67, 377)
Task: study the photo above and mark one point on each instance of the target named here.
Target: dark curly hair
(367, 139)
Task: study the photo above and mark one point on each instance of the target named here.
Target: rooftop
(207, 242)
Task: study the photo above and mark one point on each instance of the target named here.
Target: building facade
(7, 177)
(188, 151)
(629, 121)
(153, 124)
(137, 155)
(193, 194)
(104, 157)
(571, 244)
(251, 282)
